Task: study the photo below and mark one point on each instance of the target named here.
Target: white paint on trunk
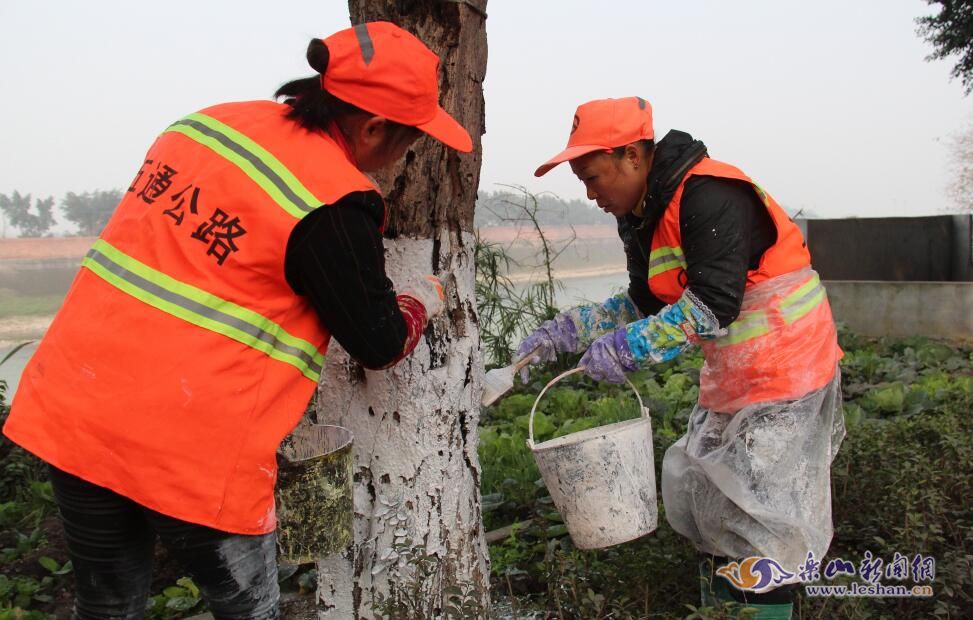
(416, 467)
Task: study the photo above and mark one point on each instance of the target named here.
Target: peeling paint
(411, 467)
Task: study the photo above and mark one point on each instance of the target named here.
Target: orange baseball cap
(602, 125)
(387, 71)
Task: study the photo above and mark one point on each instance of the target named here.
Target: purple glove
(559, 335)
(609, 358)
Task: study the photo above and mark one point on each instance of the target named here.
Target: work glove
(609, 357)
(428, 291)
(559, 335)
(651, 340)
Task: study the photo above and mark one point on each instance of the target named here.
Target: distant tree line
(950, 31)
(89, 212)
(505, 207)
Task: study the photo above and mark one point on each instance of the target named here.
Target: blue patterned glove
(609, 358)
(654, 339)
(663, 336)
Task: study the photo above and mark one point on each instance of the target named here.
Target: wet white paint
(252, 569)
(187, 391)
(416, 473)
(602, 481)
(757, 482)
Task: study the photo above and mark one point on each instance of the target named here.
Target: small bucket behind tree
(314, 494)
(602, 480)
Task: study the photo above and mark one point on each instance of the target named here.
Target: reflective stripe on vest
(756, 324)
(665, 258)
(252, 159)
(203, 309)
(803, 300)
(793, 307)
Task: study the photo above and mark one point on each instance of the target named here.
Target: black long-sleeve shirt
(336, 258)
(724, 225)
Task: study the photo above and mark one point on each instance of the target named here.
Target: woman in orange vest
(714, 261)
(194, 334)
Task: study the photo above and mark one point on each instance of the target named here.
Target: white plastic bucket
(602, 480)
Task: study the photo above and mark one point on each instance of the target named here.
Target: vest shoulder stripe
(256, 162)
(665, 258)
(203, 309)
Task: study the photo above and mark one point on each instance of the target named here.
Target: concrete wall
(916, 249)
(933, 309)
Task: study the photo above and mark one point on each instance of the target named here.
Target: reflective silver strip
(365, 41)
(800, 307)
(202, 310)
(665, 257)
(255, 161)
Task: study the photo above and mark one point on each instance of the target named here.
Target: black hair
(647, 147)
(314, 108)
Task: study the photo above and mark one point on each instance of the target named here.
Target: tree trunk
(418, 528)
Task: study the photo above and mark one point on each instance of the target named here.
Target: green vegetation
(89, 211)
(901, 483)
(36, 579)
(32, 221)
(950, 31)
(34, 573)
(506, 311)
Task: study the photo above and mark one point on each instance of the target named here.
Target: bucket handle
(530, 425)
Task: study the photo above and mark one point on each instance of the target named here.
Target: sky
(829, 105)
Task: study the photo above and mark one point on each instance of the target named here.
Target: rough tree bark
(416, 468)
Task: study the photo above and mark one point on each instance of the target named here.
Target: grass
(901, 484)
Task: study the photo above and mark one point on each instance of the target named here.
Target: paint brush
(498, 381)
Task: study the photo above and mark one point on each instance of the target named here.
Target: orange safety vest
(782, 345)
(181, 356)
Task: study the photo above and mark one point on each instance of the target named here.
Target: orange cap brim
(447, 130)
(572, 152)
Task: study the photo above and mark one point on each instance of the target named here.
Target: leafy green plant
(901, 482)
(4, 360)
(175, 601)
(54, 567)
(19, 593)
(418, 593)
(506, 311)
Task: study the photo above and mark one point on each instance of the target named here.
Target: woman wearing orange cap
(714, 262)
(194, 334)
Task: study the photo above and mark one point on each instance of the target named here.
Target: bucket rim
(643, 411)
(348, 440)
(606, 430)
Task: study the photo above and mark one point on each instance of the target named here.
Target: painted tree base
(416, 471)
